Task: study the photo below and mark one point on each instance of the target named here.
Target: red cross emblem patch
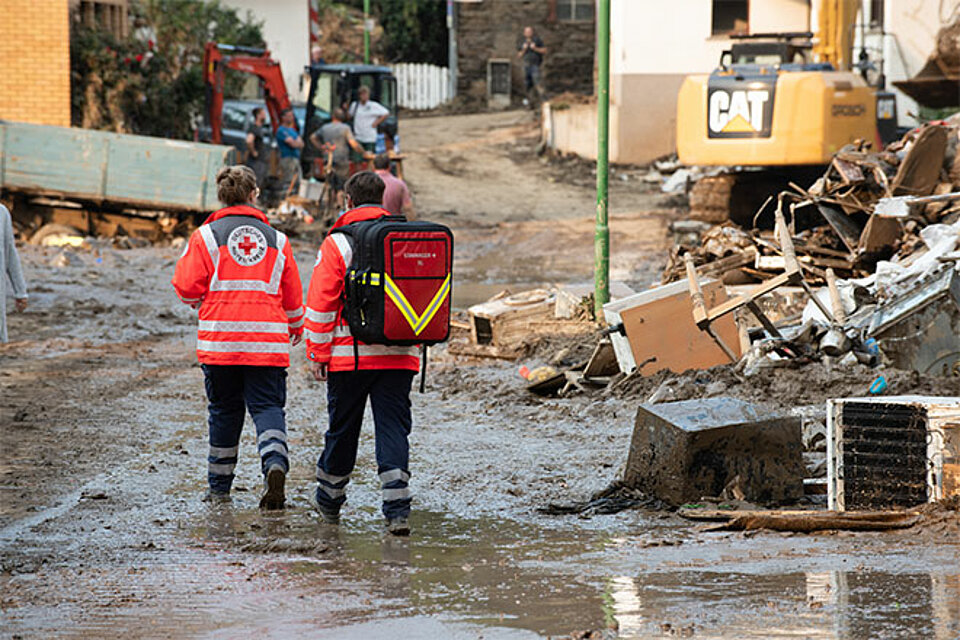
(247, 245)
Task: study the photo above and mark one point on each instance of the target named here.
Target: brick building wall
(491, 28)
(35, 61)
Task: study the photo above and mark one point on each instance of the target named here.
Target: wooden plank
(719, 515)
(848, 171)
(483, 351)
(728, 263)
(718, 311)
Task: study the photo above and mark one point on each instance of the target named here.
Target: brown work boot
(398, 526)
(273, 495)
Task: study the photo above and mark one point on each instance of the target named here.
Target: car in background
(237, 118)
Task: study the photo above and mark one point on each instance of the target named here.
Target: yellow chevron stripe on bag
(417, 322)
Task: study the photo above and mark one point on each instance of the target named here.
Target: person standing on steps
(240, 273)
(530, 49)
(10, 262)
(355, 371)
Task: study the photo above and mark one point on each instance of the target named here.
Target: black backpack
(399, 284)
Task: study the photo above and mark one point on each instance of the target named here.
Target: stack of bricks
(35, 61)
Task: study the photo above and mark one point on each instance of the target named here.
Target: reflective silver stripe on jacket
(343, 244)
(317, 337)
(321, 316)
(210, 241)
(243, 327)
(242, 347)
(346, 351)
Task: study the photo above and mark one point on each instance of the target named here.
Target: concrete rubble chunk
(683, 451)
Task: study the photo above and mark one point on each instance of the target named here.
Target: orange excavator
(248, 60)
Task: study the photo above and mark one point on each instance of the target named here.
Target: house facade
(652, 50)
(286, 30)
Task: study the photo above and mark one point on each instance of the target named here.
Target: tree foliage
(414, 30)
(151, 82)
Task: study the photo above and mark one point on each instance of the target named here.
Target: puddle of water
(514, 580)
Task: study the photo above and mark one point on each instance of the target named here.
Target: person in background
(290, 143)
(367, 115)
(240, 272)
(10, 261)
(337, 138)
(530, 49)
(396, 195)
(256, 157)
(316, 55)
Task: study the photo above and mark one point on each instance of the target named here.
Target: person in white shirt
(367, 115)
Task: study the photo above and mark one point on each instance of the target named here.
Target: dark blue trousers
(347, 393)
(231, 392)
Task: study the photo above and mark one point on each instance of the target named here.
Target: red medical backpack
(399, 283)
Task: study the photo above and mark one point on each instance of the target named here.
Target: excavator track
(737, 196)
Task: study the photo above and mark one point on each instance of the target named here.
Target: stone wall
(491, 28)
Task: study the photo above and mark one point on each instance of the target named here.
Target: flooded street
(103, 532)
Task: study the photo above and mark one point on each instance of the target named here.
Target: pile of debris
(866, 208)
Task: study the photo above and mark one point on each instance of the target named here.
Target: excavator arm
(248, 60)
(834, 43)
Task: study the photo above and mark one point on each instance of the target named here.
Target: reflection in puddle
(502, 575)
(830, 605)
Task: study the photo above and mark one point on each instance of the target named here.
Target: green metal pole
(601, 263)
(366, 31)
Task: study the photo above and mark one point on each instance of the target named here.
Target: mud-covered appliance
(897, 451)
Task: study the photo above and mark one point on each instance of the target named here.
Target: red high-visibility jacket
(240, 271)
(328, 334)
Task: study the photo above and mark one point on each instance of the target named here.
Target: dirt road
(102, 429)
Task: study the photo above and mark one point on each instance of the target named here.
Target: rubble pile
(867, 207)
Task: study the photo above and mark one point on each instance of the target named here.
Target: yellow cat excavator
(776, 110)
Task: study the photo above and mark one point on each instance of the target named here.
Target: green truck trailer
(46, 172)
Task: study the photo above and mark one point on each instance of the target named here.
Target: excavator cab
(337, 85)
(768, 54)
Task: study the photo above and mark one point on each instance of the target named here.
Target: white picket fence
(421, 86)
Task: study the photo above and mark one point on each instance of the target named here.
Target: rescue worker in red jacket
(382, 373)
(241, 274)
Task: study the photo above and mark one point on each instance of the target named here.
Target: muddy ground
(102, 531)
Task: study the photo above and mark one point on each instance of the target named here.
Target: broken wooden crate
(659, 331)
